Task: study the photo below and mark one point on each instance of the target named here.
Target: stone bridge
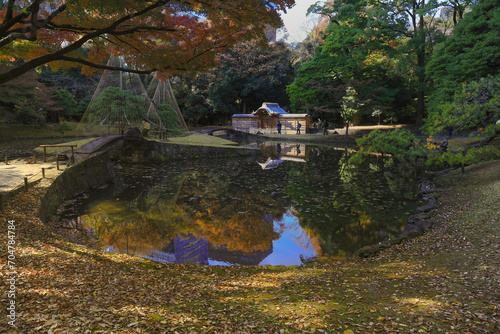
(228, 133)
(223, 131)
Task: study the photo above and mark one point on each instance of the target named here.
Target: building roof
(287, 115)
(271, 108)
(278, 115)
(244, 116)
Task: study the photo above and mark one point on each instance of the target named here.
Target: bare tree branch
(105, 67)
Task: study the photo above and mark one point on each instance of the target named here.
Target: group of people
(318, 124)
(322, 125)
(278, 127)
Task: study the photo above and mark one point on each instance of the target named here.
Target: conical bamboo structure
(121, 101)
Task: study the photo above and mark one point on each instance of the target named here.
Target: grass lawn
(54, 150)
(201, 139)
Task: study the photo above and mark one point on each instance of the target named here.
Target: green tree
(472, 52)
(457, 8)
(350, 107)
(475, 108)
(71, 79)
(356, 52)
(25, 99)
(410, 19)
(398, 143)
(83, 105)
(65, 103)
(119, 106)
(20, 91)
(191, 94)
(313, 87)
(223, 93)
(252, 75)
(169, 119)
(249, 74)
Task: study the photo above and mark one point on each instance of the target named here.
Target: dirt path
(12, 174)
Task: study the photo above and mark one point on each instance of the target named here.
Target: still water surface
(294, 203)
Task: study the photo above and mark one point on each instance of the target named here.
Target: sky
(296, 22)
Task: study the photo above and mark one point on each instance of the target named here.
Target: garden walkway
(13, 173)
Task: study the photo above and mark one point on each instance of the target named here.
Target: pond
(294, 203)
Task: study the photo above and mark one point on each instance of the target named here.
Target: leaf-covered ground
(446, 281)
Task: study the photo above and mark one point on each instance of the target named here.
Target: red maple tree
(161, 35)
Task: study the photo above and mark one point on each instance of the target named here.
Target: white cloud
(296, 23)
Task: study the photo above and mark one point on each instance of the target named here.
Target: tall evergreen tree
(472, 52)
(409, 18)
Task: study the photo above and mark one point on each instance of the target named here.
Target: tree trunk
(244, 103)
(420, 107)
(420, 49)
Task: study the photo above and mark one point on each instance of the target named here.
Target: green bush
(402, 145)
(462, 157)
(66, 102)
(170, 120)
(25, 115)
(116, 105)
(64, 127)
(474, 108)
(399, 143)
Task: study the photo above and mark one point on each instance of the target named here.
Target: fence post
(26, 183)
(1, 202)
(43, 172)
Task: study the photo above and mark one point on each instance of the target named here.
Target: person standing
(298, 127)
(278, 127)
(325, 127)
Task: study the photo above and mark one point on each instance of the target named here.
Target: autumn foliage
(163, 35)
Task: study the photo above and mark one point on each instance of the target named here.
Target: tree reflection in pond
(311, 203)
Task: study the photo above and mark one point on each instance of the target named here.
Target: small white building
(265, 118)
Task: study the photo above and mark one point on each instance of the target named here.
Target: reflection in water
(307, 202)
(293, 244)
(283, 152)
(191, 250)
